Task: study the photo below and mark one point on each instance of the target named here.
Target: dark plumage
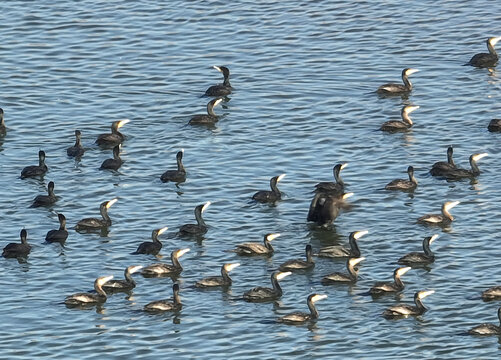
(265, 196)
(344, 278)
(299, 264)
(324, 209)
(221, 89)
(420, 258)
(397, 89)
(490, 59)
(338, 251)
(487, 329)
(3, 128)
(166, 305)
(254, 248)
(214, 281)
(200, 227)
(404, 310)
(263, 294)
(82, 299)
(494, 125)
(492, 293)
(160, 269)
(383, 288)
(15, 250)
(151, 247)
(178, 175)
(443, 219)
(207, 119)
(458, 173)
(403, 184)
(335, 188)
(59, 235)
(115, 163)
(441, 168)
(123, 285)
(300, 317)
(113, 138)
(35, 170)
(45, 200)
(94, 223)
(405, 124)
(76, 150)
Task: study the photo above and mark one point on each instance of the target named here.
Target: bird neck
(199, 218)
(276, 285)
(406, 118)
(426, 248)
(398, 282)
(491, 49)
(351, 271)
(210, 109)
(354, 250)
(274, 187)
(474, 167)
(128, 277)
(180, 166)
(407, 82)
(105, 216)
(225, 275)
(175, 261)
(313, 309)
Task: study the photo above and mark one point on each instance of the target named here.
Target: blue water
(304, 75)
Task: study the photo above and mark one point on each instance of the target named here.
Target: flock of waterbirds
(329, 200)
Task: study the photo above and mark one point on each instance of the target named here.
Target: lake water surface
(304, 74)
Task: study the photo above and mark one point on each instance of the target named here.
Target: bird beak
(318, 297)
(359, 234)
(217, 68)
(412, 71)
(105, 279)
(217, 101)
(433, 238)
(344, 165)
(280, 177)
(162, 230)
(281, 275)
(230, 267)
(111, 202)
(403, 270)
(272, 237)
(495, 40)
(452, 204)
(426, 293)
(477, 157)
(135, 268)
(347, 195)
(123, 122)
(206, 206)
(182, 252)
(355, 261)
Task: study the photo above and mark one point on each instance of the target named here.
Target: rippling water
(304, 75)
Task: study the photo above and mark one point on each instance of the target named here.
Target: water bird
(223, 280)
(397, 89)
(299, 264)
(151, 247)
(160, 269)
(335, 188)
(115, 163)
(200, 227)
(99, 297)
(263, 294)
(494, 125)
(458, 173)
(420, 258)
(60, 235)
(483, 60)
(403, 184)
(35, 170)
(179, 175)
(123, 285)
(487, 329)
(492, 293)
(76, 150)
(342, 278)
(337, 251)
(443, 219)
(324, 209)
(16, 250)
(440, 168)
(301, 317)
(383, 288)
(45, 200)
(404, 310)
(3, 128)
(255, 248)
(396, 125)
(113, 138)
(221, 89)
(207, 119)
(266, 196)
(94, 223)
(166, 305)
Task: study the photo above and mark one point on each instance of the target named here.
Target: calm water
(304, 75)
